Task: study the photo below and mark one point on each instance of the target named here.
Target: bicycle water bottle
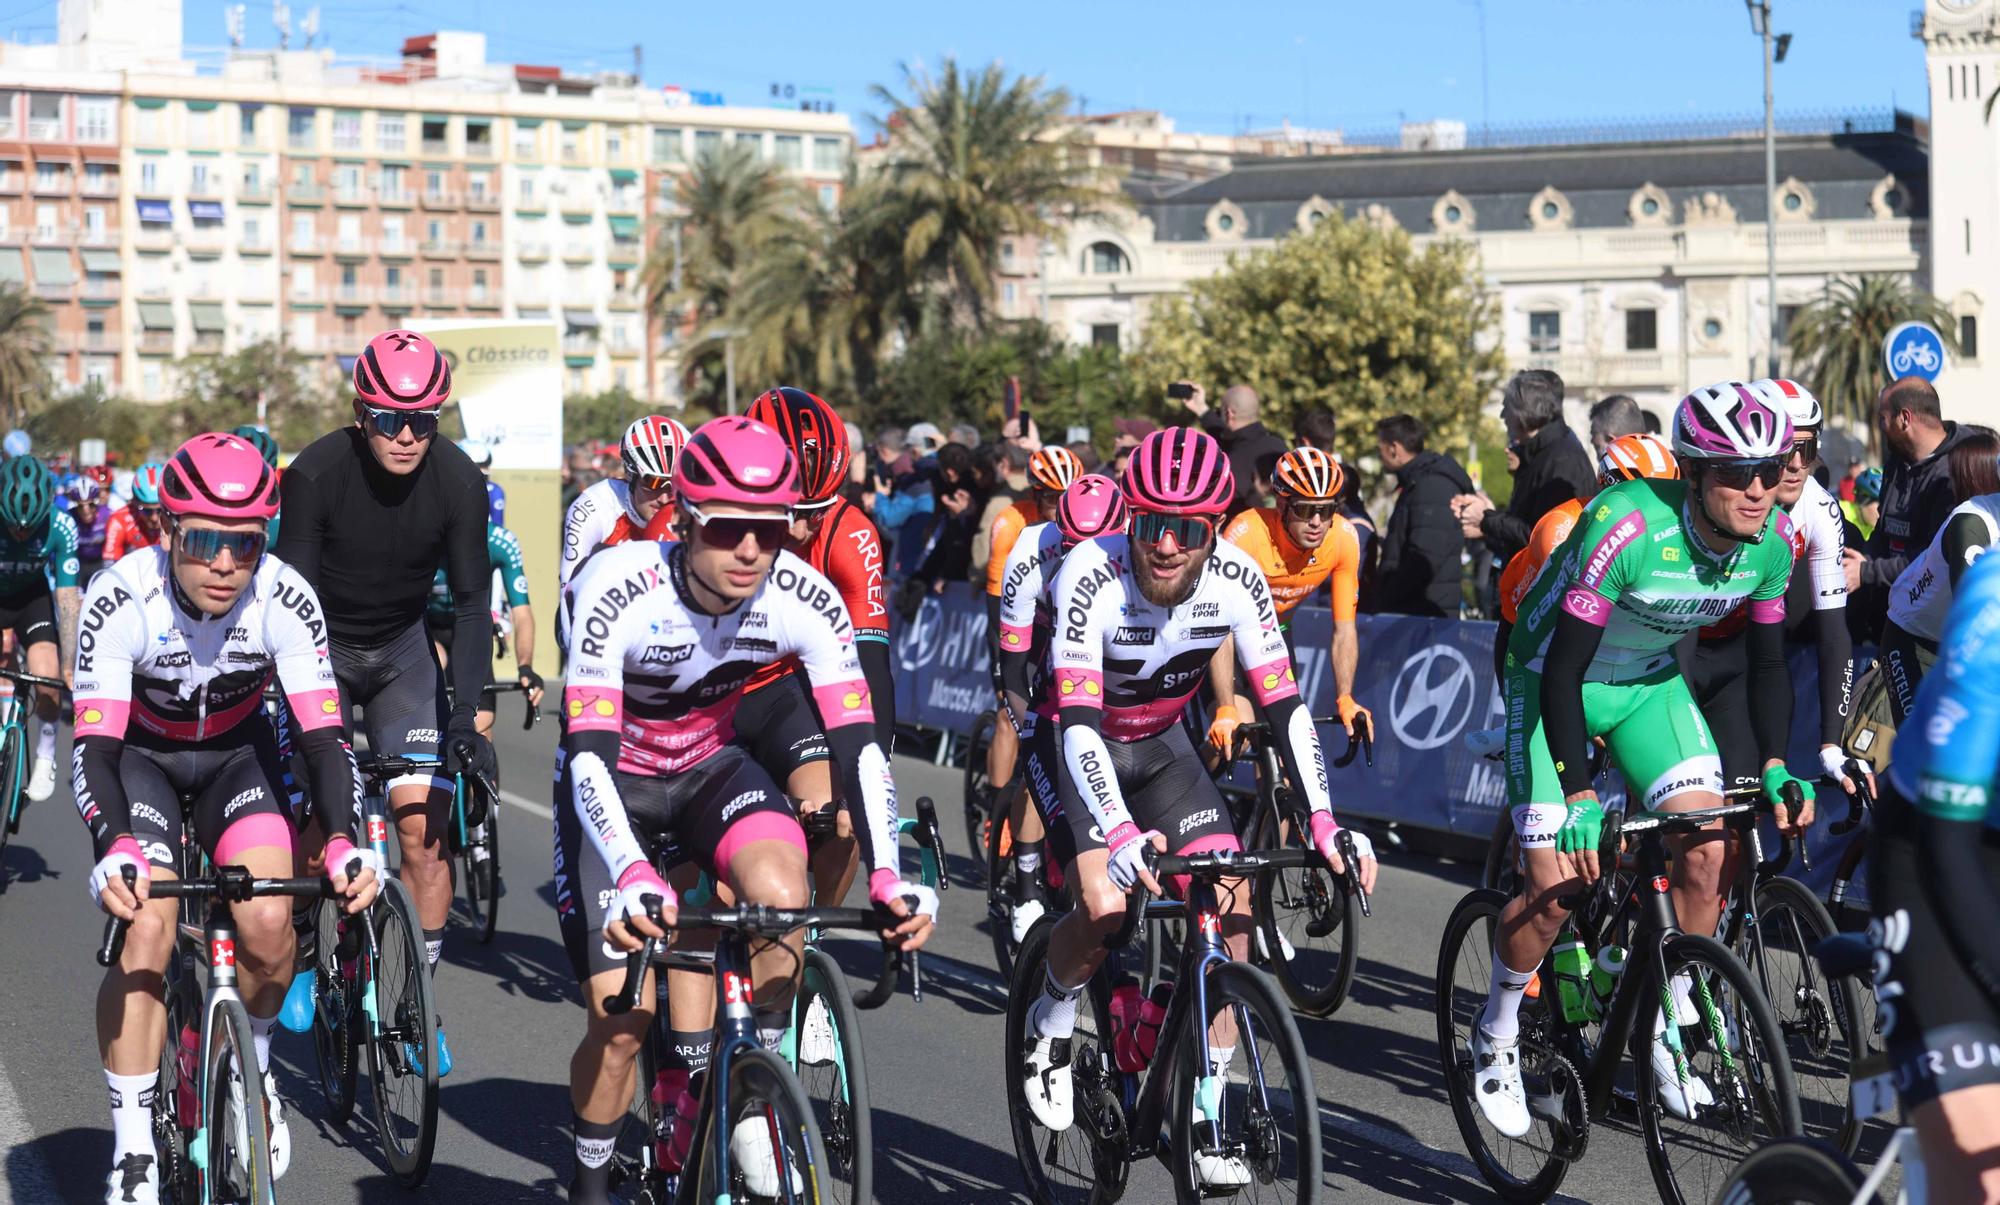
(186, 1111)
(1139, 1036)
(1604, 974)
(1573, 989)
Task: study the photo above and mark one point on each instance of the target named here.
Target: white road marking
(527, 805)
(26, 1177)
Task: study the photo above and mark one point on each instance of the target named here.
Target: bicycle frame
(735, 1029)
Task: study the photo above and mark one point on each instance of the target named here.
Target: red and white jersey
(590, 521)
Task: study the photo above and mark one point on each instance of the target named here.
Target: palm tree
(1838, 339)
(24, 350)
(973, 158)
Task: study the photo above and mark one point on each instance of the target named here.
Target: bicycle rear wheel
(976, 785)
(1795, 1171)
(337, 1020)
(1075, 1166)
(1817, 1014)
(13, 769)
(1269, 1117)
(237, 1162)
(1000, 890)
(827, 1034)
(176, 1101)
(479, 864)
(402, 1058)
(1308, 930)
(762, 1091)
(1730, 1043)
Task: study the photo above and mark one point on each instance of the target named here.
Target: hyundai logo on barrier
(920, 639)
(1432, 697)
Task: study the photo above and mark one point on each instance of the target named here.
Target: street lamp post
(728, 335)
(1760, 23)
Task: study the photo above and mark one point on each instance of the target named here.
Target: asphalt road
(940, 1124)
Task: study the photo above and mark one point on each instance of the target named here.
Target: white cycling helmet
(477, 451)
(1794, 399)
(651, 446)
(1730, 421)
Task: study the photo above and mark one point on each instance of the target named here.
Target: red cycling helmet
(1179, 471)
(402, 370)
(737, 461)
(1091, 506)
(221, 477)
(651, 447)
(816, 436)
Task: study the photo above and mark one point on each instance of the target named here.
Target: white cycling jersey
(1921, 597)
(1818, 536)
(590, 520)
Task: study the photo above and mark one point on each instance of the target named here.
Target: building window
(1786, 315)
(828, 197)
(392, 183)
(389, 131)
(614, 143)
(1225, 223)
(437, 278)
(1545, 329)
(149, 177)
(1793, 201)
(788, 151)
(49, 177)
(1106, 259)
(524, 142)
(1007, 253)
(347, 182)
(45, 116)
(1650, 207)
(246, 125)
(479, 234)
(707, 143)
(149, 127)
(93, 118)
(346, 130)
(437, 137)
(667, 145)
(1642, 330)
(479, 284)
(1104, 334)
(527, 190)
(479, 185)
(299, 129)
(302, 229)
(253, 232)
(827, 155)
(1007, 293)
(198, 185)
(1968, 337)
(572, 145)
(392, 233)
(1711, 329)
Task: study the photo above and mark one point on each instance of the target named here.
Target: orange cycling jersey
(1007, 529)
(1550, 531)
(1294, 572)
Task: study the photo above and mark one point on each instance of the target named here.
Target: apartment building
(177, 206)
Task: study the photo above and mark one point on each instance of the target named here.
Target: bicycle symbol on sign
(1915, 356)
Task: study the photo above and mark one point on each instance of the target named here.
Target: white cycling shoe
(277, 1130)
(1221, 1171)
(1049, 1090)
(1678, 1099)
(42, 779)
(134, 1180)
(1022, 916)
(816, 1045)
(751, 1153)
(1496, 1083)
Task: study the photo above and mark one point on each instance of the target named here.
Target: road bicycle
(210, 1121)
(1620, 972)
(980, 806)
(14, 753)
(1261, 1108)
(1308, 924)
(375, 1000)
(475, 832)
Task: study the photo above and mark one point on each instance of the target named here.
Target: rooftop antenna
(310, 26)
(233, 17)
(281, 16)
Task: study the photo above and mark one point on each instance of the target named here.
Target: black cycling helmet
(27, 492)
(261, 440)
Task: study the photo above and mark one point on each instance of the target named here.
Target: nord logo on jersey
(1130, 635)
(669, 654)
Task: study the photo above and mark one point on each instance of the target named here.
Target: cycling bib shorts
(31, 617)
(780, 728)
(1165, 788)
(233, 804)
(400, 690)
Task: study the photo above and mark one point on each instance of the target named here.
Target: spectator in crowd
(892, 458)
(1652, 422)
(924, 439)
(1863, 511)
(1236, 425)
(966, 434)
(1972, 467)
(943, 549)
(1365, 536)
(1614, 416)
(1127, 434)
(1554, 466)
(1315, 429)
(1086, 454)
(1010, 470)
(1419, 571)
(1029, 441)
(1916, 497)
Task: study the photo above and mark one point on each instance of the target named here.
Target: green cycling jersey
(503, 550)
(46, 558)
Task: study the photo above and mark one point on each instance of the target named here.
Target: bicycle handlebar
(22, 679)
(530, 714)
(231, 884)
(1212, 864)
(1254, 733)
(758, 920)
(1860, 801)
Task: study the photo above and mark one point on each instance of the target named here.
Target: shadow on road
(973, 988)
(917, 1161)
(1353, 1161)
(72, 1163)
(24, 864)
(520, 964)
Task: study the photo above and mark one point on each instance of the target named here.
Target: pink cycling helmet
(402, 370)
(220, 476)
(737, 460)
(1729, 421)
(1179, 471)
(1091, 506)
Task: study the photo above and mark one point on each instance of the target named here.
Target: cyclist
(614, 510)
(1593, 655)
(179, 644)
(1299, 544)
(371, 511)
(1137, 619)
(665, 635)
(1932, 851)
(480, 453)
(39, 600)
(137, 523)
(503, 552)
(1867, 505)
(1922, 594)
(86, 507)
(1818, 593)
(1092, 506)
(260, 439)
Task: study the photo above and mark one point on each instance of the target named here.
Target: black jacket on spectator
(1555, 467)
(1916, 498)
(1420, 573)
(1246, 447)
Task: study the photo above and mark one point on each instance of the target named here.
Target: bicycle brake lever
(1350, 855)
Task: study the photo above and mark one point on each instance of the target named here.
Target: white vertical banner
(507, 382)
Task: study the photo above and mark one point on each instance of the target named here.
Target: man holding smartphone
(1252, 450)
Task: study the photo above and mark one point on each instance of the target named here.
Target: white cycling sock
(1502, 1018)
(1219, 1057)
(260, 1037)
(45, 741)
(771, 1030)
(434, 946)
(1053, 1014)
(1028, 861)
(132, 1112)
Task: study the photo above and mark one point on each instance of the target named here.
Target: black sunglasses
(1189, 531)
(1806, 448)
(1738, 474)
(390, 423)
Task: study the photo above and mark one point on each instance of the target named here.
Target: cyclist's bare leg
(1023, 818)
(834, 862)
(691, 994)
(772, 873)
(45, 662)
(1959, 1134)
(1076, 945)
(602, 1069)
(1530, 921)
(1699, 865)
(1003, 751)
(421, 812)
(1237, 921)
(131, 1017)
(264, 938)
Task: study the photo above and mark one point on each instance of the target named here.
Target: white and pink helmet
(1729, 421)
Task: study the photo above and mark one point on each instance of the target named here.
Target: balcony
(395, 198)
(478, 148)
(154, 236)
(156, 342)
(12, 182)
(97, 236)
(306, 192)
(99, 341)
(350, 246)
(437, 248)
(395, 249)
(625, 299)
(482, 249)
(446, 298)
(101, 185)
(44, 129)
(351, 197)
(622, 347)
(254, 190)
(584, 205)
(206, 237)
(530, 295)
(65, 291)
(155, 290)
(206, 189)
(206, 342)
(257, 243)
(579, 345)
(306, 243)
(57, 184)
(352, 294)
(440, 200)
(482, 299)
(578, 252)
(397, 295)
(108, 288)
(482, 202)
(257, 289)
(303, 293)
(50, 236)
(437, 146)
(529, 253)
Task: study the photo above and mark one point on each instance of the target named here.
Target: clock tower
(1962, 62)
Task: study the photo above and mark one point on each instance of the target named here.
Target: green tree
(132, 431)
(1347, 316)
(975, 157)
(1837, 340)
(25, 344)
(218, 392)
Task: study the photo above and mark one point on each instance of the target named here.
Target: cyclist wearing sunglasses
(86, 506)
(179, 645)
(39, 600)
(1092, 506)
(614, 510)
(1137, 619)
(1593, 655)
(137, 523)
(665, 636)
(1299, 543)
(371, 511)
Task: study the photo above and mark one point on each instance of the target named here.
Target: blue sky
(1213, 65)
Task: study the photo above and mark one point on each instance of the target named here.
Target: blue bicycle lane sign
(1913, 349)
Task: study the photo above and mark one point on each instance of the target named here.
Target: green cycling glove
(1582, 829)
(1775, 778)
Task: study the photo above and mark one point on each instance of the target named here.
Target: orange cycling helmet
(1308, 473)
(1054, 467)
(1631, 457)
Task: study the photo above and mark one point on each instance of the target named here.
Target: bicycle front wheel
(337, 1019)
(1714, 1082)
(402, 1058)
(1817, 1014)
(1073, 1166)
(1258, 1115)
(976, 786)
(827, 1035)
(768, 1111)
(479, 865)
(1308, 931)
(1795, 1171)
(1000, 890)
(238, 1138)
(13, 770)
